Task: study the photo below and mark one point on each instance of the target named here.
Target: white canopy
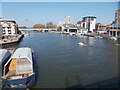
(25, 54)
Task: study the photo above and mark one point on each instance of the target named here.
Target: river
(60, 62)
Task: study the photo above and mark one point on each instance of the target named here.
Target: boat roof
(3, 54)
(24, 52)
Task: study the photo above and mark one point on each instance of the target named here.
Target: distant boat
(113, 38)
(19, 69)
(98, 37)
(71, 33)
(82, 44)
(64, 32)
(26, 34)
(79, 34)
(117, 44)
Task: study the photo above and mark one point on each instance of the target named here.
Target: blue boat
(19, 69)
(4, 57)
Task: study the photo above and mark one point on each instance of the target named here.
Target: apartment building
(114, 29)
(9, 27)
(88, 22)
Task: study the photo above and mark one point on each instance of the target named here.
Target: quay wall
(11, 40)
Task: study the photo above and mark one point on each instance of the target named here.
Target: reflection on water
(61, 62)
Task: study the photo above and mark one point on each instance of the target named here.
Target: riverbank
(100, 35)
(10, 40)
(96, 35)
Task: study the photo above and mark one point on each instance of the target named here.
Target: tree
(59, 28)
(50, 25)
(39, 26)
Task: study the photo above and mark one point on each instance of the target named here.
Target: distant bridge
(29, 29)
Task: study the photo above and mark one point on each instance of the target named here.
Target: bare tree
(39, 26)
(50, 25)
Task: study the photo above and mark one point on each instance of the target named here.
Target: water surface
(61, 62)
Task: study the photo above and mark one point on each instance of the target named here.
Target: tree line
(48, 25)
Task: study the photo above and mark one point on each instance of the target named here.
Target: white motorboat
(71, 33)
(113, 38)
(82, 44)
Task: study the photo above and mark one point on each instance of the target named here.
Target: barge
(19, 69)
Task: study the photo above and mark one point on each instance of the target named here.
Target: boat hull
(27, 81)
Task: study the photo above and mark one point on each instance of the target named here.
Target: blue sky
(43, 12)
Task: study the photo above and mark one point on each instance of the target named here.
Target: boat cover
(22, 53)
(4, 54)
(24, 60)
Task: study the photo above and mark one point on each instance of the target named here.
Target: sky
(31, 13)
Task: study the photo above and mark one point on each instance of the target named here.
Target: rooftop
(7, 20)
(89, 17)
(114, 26)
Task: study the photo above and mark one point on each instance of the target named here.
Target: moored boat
(4, 56)
(71, 33)
(79, 34)
(19, 69)
(82, 44)
(113, 38)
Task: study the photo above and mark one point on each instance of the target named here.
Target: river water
(61, 62)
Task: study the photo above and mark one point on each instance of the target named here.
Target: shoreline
(11, 40)
(18, 38)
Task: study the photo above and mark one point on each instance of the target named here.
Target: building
(66, 25)
(101, 28)
(117, 17)
(97, 27)
(89, 23)
(9, 27)
(114, 29)
(0, 31)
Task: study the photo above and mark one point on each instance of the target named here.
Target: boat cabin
(20, 65)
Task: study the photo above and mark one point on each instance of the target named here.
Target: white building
(67, 25)
(0, 31)
(89, 23)
(114, 29)
(9, 27)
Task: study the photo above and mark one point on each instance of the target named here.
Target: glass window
(92, 19)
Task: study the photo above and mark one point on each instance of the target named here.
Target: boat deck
(10, 73)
